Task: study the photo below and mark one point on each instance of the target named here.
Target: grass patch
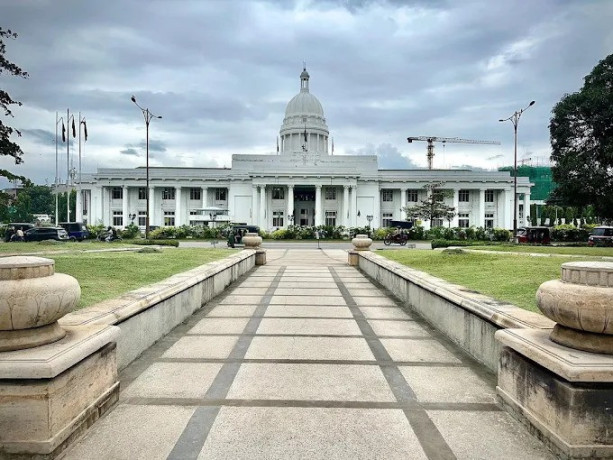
(46, 246)
(509, 278)
(563, 250)
(104, 275)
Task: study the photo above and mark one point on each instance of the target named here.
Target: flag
(74, 130)
(305, 135)
(84, 128)
(277, 145)
(63, 132)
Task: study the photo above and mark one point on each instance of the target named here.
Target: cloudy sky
(220, 73)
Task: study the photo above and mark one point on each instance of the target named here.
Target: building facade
(303, 184)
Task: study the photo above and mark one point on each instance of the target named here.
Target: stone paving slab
(306, 359)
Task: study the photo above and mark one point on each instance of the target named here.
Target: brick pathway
(306, 358)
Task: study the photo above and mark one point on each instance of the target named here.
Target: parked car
(601, 236)
(46, 233)
(76, 230)
(534, 235)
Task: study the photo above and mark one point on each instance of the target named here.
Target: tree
(433, 207)
(7, 147)
(581, 131)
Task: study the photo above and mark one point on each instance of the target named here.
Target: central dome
(304, 103)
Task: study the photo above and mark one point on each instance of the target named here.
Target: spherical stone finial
(581, 304)
(361, 242)
(32, 298)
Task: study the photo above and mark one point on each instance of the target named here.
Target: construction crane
(455, 140)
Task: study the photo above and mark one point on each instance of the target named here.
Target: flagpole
(56, 169)
(67, 164)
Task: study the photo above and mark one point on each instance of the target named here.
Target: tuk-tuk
(533, 235)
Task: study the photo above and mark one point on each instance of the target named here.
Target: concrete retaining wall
(147, 314)
(468, 318)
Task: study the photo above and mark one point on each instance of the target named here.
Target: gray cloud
(220, 73)
(389, 157)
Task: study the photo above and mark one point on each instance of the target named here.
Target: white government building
(303, 184)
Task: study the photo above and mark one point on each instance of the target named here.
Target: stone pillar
(546, 382)
(354, 206)
(480, 221)
(263, 214)
(178, 216)
(254, 205)
(360, 243)
(51, 393)
(317, 205)
(290, 204)
(508, 209)
(345, 219)
(152, 206)
(125, 206)
(403, 203)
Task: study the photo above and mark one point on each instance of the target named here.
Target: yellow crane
(451, 140)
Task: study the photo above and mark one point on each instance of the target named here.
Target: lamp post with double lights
(369, 219)
(515, 120)
(148, 117)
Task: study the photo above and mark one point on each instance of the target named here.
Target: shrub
(96, 230)
(500, 234)
(130, 232)
(174, 243)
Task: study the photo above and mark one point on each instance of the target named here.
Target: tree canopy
(581, 131)
(433, 207)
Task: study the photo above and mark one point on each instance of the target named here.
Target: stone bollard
(54, 382)
(32, 298)
(360, 243)
(254, 241)
(559, 380)
(581, 304)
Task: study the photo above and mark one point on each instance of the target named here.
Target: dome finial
(304, 79)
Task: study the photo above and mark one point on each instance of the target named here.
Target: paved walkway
(306, 358)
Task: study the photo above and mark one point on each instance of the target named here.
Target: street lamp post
(369, 219)
(148, 116)
(515, 120)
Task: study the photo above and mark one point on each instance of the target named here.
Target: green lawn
(43, 246)
(510, 278)
(571, 250)
(104, 275)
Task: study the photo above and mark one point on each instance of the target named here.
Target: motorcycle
(396, 238)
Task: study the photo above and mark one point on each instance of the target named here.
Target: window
(118, 218)
(142, 193)
(463, 221)
(277, 218)
(437, 223)
(142, 218)
(464, 196)
(168, 194)
(117, 193)
(220, 194)
(331, 218)
(388, 195)
(278, 193)
(169, 218)
(387, 219)
(489, 220)
(195, 194)
(412, 195)
(489, 196)
(330, 193)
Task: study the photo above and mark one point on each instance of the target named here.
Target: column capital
(318, 186)
(346, 187)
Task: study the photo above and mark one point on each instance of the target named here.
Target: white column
(480, 222)
(508, 209)
(346, 218)
(526, 209)
(403, 203)
(254, 205)
(152, 206)
(263, 215)
(178, 216)
(376, 221)
(317, 205)
(354, 206)
(205, 198)
(456, 206)
(124, 208)
(290, 204)
(79, 206)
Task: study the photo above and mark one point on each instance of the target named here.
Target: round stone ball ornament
(581, 304)
(32, 298)
(252, 240)
(361, 242)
